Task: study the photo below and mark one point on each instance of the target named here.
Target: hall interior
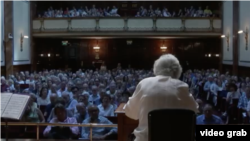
(54, 51)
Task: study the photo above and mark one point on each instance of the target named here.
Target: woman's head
(168, 65)
(44, 92)
(60, 112)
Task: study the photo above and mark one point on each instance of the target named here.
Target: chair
(171, 124)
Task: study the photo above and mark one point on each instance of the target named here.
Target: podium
(126, 125)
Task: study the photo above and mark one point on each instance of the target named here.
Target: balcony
(118, 26)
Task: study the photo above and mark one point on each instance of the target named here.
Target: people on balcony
(81, 12)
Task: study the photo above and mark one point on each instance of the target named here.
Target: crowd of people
(186, 12)
(230, 95)
(81, 97)
(142, 12)
(81, 12)
(91, 96)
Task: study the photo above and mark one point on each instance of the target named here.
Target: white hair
(168, 65)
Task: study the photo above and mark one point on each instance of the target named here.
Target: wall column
(8, 43)
(235, 36)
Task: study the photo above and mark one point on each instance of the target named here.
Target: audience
(92, 96)
(113, 12)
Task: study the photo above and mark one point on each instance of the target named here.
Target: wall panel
(21, 25)
(228, 30)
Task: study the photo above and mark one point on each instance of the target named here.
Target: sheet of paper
(5, 98)
(15, 106)
(124, 107)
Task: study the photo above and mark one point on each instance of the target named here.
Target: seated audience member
(106, 109)
(158, 12)
(70, 103)
(50, 106)
(208, 117)
(4, 86)
(232, 94)
(75, 92)
(244, 99)
(112, 89)
(32, 113)
(94, 97)
(81, 113)
(59, 100)
(98, 133)
(60, 132)
(137, 14)
(207, 12)
(43, 98)
(199, 12)
(200, 103)
(85, 99)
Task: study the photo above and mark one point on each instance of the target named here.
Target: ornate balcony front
(117, 26)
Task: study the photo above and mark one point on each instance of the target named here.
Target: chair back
(171, 124)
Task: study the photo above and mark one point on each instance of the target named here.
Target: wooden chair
(177, 124)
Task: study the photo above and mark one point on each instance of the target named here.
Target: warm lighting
(96, 48)
(227, 40)
(21, 41)
(223, 36)
(129, 42)
(209, 55)
(246, 36)
(163, 48)
(240, 31)
(48, 55)
(217, 55)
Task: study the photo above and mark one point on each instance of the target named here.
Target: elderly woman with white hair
(164, 91)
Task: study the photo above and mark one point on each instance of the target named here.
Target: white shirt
(157, 93)
(108, 112)
(214, 88)
(41, 101)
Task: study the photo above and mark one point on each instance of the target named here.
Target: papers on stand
(15, 105)
(5, 98)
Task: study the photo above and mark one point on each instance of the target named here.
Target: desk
(125, 125)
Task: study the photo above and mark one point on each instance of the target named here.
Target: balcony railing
(91, 125)
(119, 24)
